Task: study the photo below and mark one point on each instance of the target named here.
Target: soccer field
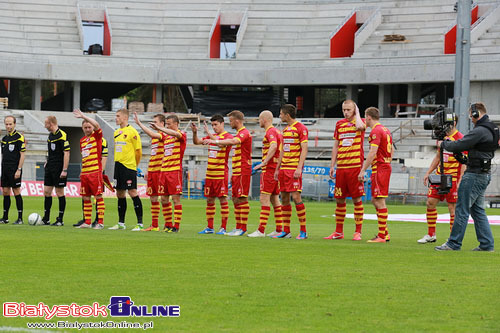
(241, 284)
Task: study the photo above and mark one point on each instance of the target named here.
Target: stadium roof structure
(280, 42)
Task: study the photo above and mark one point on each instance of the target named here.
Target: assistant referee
(56, 170)
(13, 148)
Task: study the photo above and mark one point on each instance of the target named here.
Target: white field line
(442, 218)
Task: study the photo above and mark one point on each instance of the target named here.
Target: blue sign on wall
(315, 170)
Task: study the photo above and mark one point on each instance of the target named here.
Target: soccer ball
(35, 219)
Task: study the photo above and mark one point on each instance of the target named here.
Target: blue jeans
(471, 201)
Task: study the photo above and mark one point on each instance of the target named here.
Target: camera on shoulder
(440, 124)
(442, 121)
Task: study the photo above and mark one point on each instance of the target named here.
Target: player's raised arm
(148, 131)
(80, 115)
(360, 125)
(207, 131)
(165, 130)
(196, 139)
(225, 142)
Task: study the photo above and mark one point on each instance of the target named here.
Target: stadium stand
(285, 43)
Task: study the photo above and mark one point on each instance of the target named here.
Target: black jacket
(471, 142)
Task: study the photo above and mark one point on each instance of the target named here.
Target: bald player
(348, 155)
(269, 187)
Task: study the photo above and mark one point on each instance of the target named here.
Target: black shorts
(7, 179)
(126, 179)
(52, 177)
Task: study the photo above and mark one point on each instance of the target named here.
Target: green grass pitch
(242, 284)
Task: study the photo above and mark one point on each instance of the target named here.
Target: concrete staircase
(175, 29)
(489, 43)
(423, 24)
(39, 27)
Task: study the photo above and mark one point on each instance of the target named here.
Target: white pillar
(36, 95)
(384, 96)
(159, 93)
(76, 95)
(413, 95)
(352, 92)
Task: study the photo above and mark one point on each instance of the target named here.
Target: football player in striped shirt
(174, 142)
(91, 173)
(348, 155)
(242, 170)
(216, 182)
(12, 156)
(104, 158)
(451, 167)
(379, 157)
(269, 187)
(154, 168)
(289, 170)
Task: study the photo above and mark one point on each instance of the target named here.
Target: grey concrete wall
(487, 92)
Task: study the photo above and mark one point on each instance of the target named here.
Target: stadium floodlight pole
(462, 65)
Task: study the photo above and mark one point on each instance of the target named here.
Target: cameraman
(481, 142)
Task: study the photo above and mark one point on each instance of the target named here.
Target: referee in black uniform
(13, 148)
(56, 170)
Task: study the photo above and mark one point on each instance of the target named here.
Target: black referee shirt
(12, 146)
(57, 145)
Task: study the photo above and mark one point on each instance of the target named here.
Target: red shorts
(380, 181)
(240, 186)
(216, 188)
(288, 183)
(267, 183)
(91, 184)
(153, 183)
(451, 197)
(347, 183)
(170, 183)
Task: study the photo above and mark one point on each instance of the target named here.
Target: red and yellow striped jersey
(272, 135)
(155, 162)
(217, 158)
(91, 149)
(451, 165)
(381, 137)
(173, 152)
(242, 156)
(293, 136)
(350, 154)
